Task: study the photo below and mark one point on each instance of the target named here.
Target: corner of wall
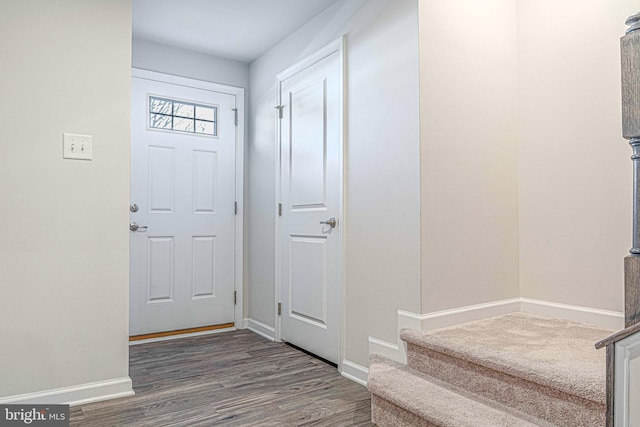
(446, 318)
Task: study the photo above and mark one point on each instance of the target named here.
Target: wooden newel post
(630, 54)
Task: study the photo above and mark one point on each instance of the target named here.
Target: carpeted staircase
(512, 370)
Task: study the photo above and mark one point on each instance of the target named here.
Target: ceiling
(236, 29)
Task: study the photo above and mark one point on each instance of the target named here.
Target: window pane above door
(182, 116)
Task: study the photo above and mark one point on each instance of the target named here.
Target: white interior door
(183, 184)
(311, 193)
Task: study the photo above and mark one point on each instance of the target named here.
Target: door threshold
(180, 333)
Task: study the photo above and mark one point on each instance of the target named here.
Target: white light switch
(78, 147)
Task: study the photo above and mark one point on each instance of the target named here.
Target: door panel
(161, 179)
(204, 267)
(308, 144)
(160, 268)
(182, 263)
(205, 172)
(308, 279)
(310, 180)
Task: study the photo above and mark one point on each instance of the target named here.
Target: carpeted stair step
(545, 367)
(404, 397)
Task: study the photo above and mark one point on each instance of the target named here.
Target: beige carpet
(416, 400)
(556, 353)
(516, 369)
(385, 413)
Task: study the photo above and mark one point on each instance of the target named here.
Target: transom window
(181, 116)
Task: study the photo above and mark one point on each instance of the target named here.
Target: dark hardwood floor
(229, 379)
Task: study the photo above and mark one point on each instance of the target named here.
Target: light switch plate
(77, 147)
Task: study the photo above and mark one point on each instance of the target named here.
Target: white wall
(64, 239)
(574, 167)
(382, 242)
(468, 113)
(153, 56)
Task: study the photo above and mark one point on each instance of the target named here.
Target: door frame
(338, 46)
(238, 92)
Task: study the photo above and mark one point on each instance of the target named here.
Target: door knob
(331, 222)
(135, 227)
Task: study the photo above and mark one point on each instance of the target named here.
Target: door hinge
(235, 112)
(279, 209)
(235, 297)
(280, 108)
(235, 208)
(279, 309)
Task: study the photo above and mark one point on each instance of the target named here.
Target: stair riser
(386, 414)
(554, 406)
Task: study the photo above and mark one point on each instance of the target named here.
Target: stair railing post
(635, 158)
(630, 56)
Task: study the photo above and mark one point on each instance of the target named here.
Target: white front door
(183, 222)
(311, 194)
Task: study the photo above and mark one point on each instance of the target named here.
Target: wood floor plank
(229, 379)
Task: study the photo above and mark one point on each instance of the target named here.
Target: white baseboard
(603, 318)
(437, 320)
(355, 372)
(76, 395)
(442, 319)
(383, 348)
(470, 313)
(266, 331)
